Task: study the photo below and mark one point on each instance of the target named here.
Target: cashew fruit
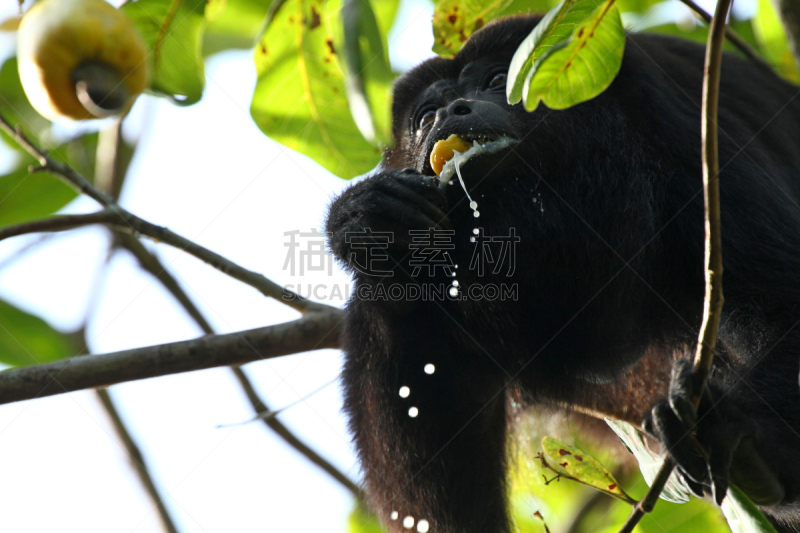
(81, 59)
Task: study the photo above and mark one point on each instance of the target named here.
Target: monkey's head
(463, 96)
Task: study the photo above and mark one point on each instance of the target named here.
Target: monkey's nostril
(461, 109)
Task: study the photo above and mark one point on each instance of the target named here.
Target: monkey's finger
(406, 199)
(719, 467)
(680, 393)
(679, 442)
(406, 216)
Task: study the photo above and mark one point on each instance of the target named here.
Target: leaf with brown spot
(455, 20)
(571, 56)
(315, 19)
(295, 103)
(580, 466)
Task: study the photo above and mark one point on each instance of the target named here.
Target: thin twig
(275, 425)
(24, 250)
(594, 500)
(58, 223)
(314, 331)
(136, 458)
(149, 262)
(731, 35)
(712, 305)
(127, 221)
(111, 169)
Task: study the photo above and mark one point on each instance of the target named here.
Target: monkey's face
(466, 98)
(472, 107)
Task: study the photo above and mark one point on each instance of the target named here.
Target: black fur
(606, 198)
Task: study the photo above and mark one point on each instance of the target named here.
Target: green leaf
(649, 461)
(215, 9)
(771, 37)
(385, 13)
(233, 24)
(570, 57)
(300, 98)
(25, 196)
(15, 105)
(583, 467)
(368, 75)
(173, 30)
(26, 339)
(742, 514)
(363, 521)
(455, 20)
(639, 7)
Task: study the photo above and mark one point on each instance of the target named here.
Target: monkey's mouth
(449, 155)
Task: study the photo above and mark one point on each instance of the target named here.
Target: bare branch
(712, 305)
(58, 223)
(151, 264)
(126, 221)
(121, 220)
(136, 459)
(275, 425)
(314, 331)
(67, 173)
(732, 36)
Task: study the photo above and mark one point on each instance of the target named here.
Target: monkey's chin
(459, 158)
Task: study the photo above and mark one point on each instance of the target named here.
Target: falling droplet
(430, 369)
(455, 283)
(413, 412)
(475, 231)
(476, 214)
(472, 203)
(404, 391)
(394, 516)
(453, 291)
(408, 522)
(423, 526)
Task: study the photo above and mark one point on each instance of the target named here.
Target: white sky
(207, 173)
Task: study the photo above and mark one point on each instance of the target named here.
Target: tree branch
(712, 305)
(116, 216)
(136, 458)
(111, 168)
(58, 223)
(282, 431)
(314, 331)
(732, 36)
(150, 263)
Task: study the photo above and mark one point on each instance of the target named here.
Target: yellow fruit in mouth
(443, 151)
(80, 59)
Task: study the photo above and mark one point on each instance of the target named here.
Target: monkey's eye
(426, 118)
(498, 80)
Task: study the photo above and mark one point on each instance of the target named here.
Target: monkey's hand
(379, 214)
(713, 446)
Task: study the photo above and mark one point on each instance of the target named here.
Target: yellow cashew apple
(80, 59)
(443, 151)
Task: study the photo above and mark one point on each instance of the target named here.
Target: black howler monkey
(603, 206)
